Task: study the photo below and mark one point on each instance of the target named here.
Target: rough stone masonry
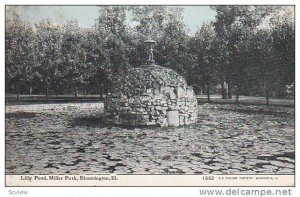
(151, 95)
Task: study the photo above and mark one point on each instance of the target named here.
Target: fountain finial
(150, 43)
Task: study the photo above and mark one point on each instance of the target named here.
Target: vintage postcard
(150, 95)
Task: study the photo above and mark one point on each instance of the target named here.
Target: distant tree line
(245, 50)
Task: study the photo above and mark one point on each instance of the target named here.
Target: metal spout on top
(150, 43)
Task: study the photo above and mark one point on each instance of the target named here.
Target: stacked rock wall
(151, 96)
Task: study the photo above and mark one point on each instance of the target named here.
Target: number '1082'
(208, 178)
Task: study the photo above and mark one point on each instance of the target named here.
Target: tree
(175, 42)
(274, 57)
(111, 25)
(18, 54)
(74, 56)
(48, 57)
(283, 37)
(233, 25)
(97, 61)
(204, 47)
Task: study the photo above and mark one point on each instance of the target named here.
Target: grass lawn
(71, 138)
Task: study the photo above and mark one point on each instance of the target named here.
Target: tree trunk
(229, 90)
(30, 89)
(267, 96)
(203, 88)
(100, 93)
(47, 89)
(237, 95)
(75, 93)
(18, 92)
(47, 94)
(224, 92)
(208, 92)
(18, 96)
(56, 90)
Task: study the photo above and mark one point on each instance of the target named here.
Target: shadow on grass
(290, 155)
(260, 112)
(21, 115)
(89, 121)
(100, 122)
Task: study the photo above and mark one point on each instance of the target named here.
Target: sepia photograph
(125, 94)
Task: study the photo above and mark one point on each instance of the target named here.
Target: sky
(194, 16)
